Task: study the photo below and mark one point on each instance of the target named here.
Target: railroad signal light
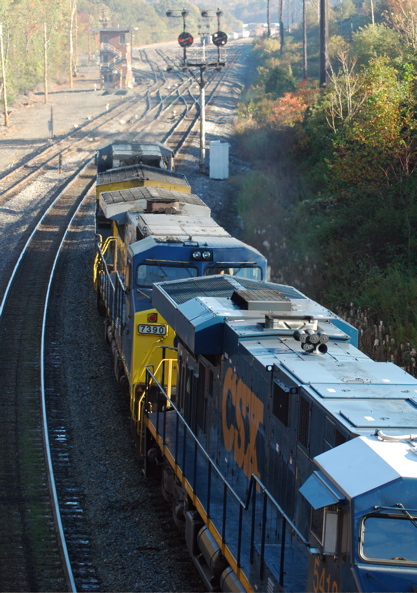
(185, 39)
(152, 317)
(219, 38)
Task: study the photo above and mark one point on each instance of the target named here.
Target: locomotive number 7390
(159, 330)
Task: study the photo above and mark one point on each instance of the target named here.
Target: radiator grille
(225, 286)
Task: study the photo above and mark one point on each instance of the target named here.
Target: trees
(350, 228)
(68, 25)
(401, 15)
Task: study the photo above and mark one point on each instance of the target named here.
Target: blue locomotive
(289, 457)
(156, 234)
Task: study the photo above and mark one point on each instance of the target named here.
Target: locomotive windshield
(388, 538)
(253, 273)
(147, 274)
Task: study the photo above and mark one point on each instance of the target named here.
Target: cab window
(148, 274)
(389, 539)
(240, 272)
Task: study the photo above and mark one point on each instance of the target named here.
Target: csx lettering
(242, 412)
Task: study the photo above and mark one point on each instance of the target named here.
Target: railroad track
(136, 115)
(33, 549)
(38, 506)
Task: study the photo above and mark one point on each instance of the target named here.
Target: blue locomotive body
(287, 453)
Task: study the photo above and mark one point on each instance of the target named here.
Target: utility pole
(45, 63)
(89, 39)
(281, 26)
(304, 40)
(268, 20)
(73, 8)
(324, 36)
(3, 74)
(202, 85)
(76, 43)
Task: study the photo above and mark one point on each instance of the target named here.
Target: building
(115, 58)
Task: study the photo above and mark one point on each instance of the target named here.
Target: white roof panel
(185, 227)
(365, 463)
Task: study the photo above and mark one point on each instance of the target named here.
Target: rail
(262, 523)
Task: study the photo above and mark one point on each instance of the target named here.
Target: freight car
(123, 153)
(122, 165)
(157, 234)
(289, 457)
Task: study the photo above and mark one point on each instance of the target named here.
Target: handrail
(99, 258)
(253, 480)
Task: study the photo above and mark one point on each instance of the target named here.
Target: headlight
(202, 254)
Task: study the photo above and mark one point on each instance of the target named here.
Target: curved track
(33, 550)
(34, 554)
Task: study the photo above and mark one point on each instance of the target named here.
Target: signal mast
(197, 69)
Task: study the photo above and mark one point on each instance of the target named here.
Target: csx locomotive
(157, 230)
(289, 457)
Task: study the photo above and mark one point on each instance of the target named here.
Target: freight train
(151, 228)
(289, 457)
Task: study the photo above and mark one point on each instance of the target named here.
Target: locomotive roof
(124, 148)
(116, 203)
(211, 242)
(198, 309)
(178, 227)
(228, 315)
(140, 172)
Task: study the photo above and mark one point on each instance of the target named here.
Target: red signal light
(152, 317)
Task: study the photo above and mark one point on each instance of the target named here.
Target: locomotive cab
(151, 261)
(364, 516)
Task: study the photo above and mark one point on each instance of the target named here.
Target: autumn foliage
(344, 163)
(291, 108)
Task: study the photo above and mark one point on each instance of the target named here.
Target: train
(289, 457)
(150, 227)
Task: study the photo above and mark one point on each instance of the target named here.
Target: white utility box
(219, 160)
